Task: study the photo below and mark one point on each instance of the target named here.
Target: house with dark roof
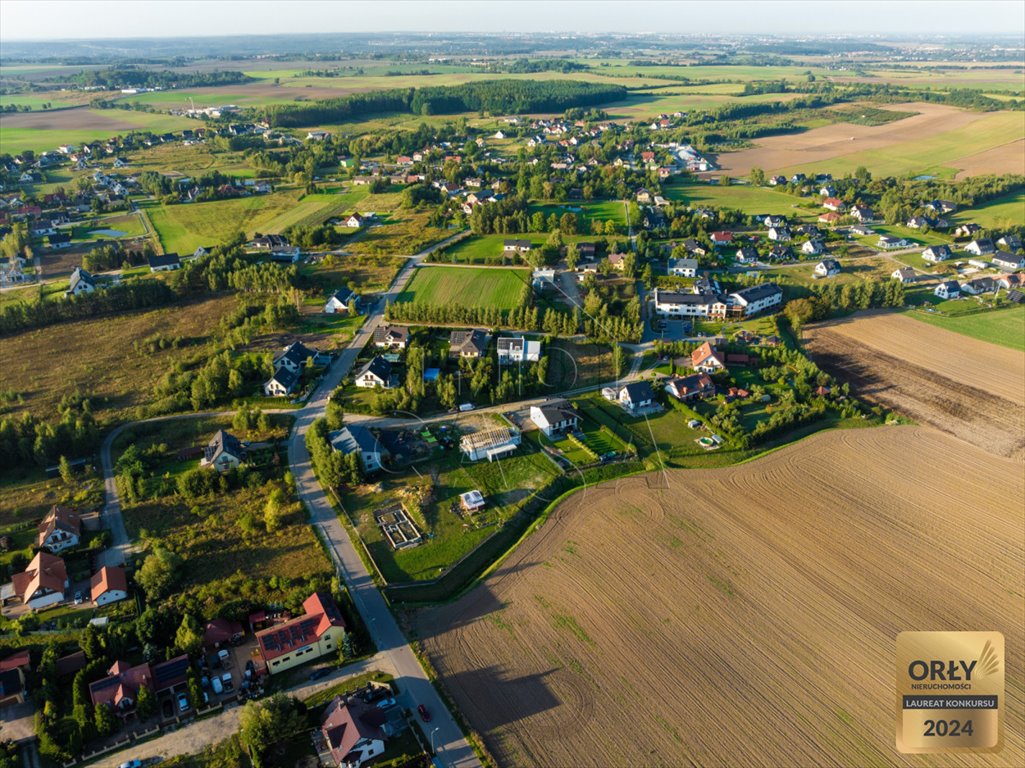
(338, 302)
(352, 731)
(906, 275)
(472, 343)
(81, 282)
(937, 253)
(517, 349)
(170, 674)
(167, 262)
(376, 373)
(357, 439)
(1007, 262)
(391, 337)
(979, 285)
(318, 632)
(691, 387)
(516, 246)
(224, 452)
(61, 529)
(949, 289)
(827, 268)
(636, 396)
(981, 247)
(296, 355)
(282, 383)
(108, 585)
(555, 417)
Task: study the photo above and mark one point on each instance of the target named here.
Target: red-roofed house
(108, 585)
(120, 689)
(352, 731)
(314, 634)
(722, 238)
(707, 359)
(221, 631)
(833, 204)
(42, 583)
(61, 529)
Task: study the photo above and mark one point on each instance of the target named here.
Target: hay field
(741, 616)
(40, 131)
(969, 388)
(468, 286)
(940, 140)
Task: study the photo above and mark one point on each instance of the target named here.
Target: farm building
(490, 443)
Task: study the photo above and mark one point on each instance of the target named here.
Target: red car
(424, 714)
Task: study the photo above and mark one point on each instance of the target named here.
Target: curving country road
(451, 746)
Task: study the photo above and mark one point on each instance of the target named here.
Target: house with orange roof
(61, 529)
(120, 689)
(318, 632)
(42, 583)
(108, 585)
(706, 359)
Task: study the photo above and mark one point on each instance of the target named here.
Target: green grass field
(744, 198)
(469, 287)
(46, 131)
(1005, 327)
(184, 227)
(1008, 210)
(605, 210)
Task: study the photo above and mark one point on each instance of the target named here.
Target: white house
(812, 247)
(224, 452)
(108, 585)
(517, 349)
(338, 304)
(1007, 262)
(282, 383)
(707, 359)
(391, 337)
(376, 373)
(42, 583)
(349, 733)
(683, 267)
(81, 282)
(164, 263)
(555, 417)
(889, 242)
(827, 268)
(61, 529)
(779, 234)
(904, 274)
(936, 253)
(981, 247)
(360, 440)
(490, 443)
(948, 289)
(355, 221)
(636, 395)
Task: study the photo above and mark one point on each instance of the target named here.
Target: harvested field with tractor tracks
(969, 388)
(742, 616)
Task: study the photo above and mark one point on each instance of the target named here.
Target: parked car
(424, 714)
(320, 672)
(224, 657)
(131, 764)
(205, 682)
(216, 685)
(79, 599)
(226, 681)
(183, 702)
(385, 703)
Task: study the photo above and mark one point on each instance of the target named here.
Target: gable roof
(321, 614)
(705, 352)
(472, 340)
(46, 572)
(378, 366)
(81, 276)
(122, 682)
(167, 260)
(223, 442)
(108, 579)
(59, 519)
(347, 722)
(638, 392)
(391, 334)
(354, 437)
(286, 378)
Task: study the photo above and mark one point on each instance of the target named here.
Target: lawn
(468, 287)
(1005, 327)
(605, 210)
(750, 200)
(184, 227)
(486, 249)
(41, 131)
(1005, 211)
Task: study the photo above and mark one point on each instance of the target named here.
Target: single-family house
(979, 285)
(224, 452)
(904, 274)
(61, 529)
(1011, 281)
(967, 230)
(830, 217)
(1010, 242)
(120, 689)
(636, 396)
(827, 268)
(696, 385)
(42, 583)
(108, 585)
(860, 230)
(282, 383)
(754, 299)
(746, 254)
(936, 253)
(707, 359)
(889, 242)
(351, 731)
(779, 234)
(219, 631)
(721, 238)
(391, 337)
(862, 213)
(12, 687)
(81, 282)
(164, 263)
(354, 221)
(833, 204)
(643, 196)
(948, 289)
(1007, 262)
(361, 441)
(981, 247)
(812, 247)
(471, 344)
(58, 241)
(683, 267)
(517, 349)
(617, 261)
(338, 303)
(555, 417)
(376, 373)
(318, 632)
(521, 247)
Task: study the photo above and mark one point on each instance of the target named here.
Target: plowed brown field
(743, 616)
(969, 388)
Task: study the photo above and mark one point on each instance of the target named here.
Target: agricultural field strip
(732, 597)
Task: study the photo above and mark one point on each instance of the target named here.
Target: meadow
(742, 197)
(45, 131)
(1008, 210)
(467, 286)
(1005, 327)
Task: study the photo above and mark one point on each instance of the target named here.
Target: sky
(84, 19)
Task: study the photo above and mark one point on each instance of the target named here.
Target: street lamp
(432, 738)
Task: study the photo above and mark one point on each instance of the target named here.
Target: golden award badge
(950, 691)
